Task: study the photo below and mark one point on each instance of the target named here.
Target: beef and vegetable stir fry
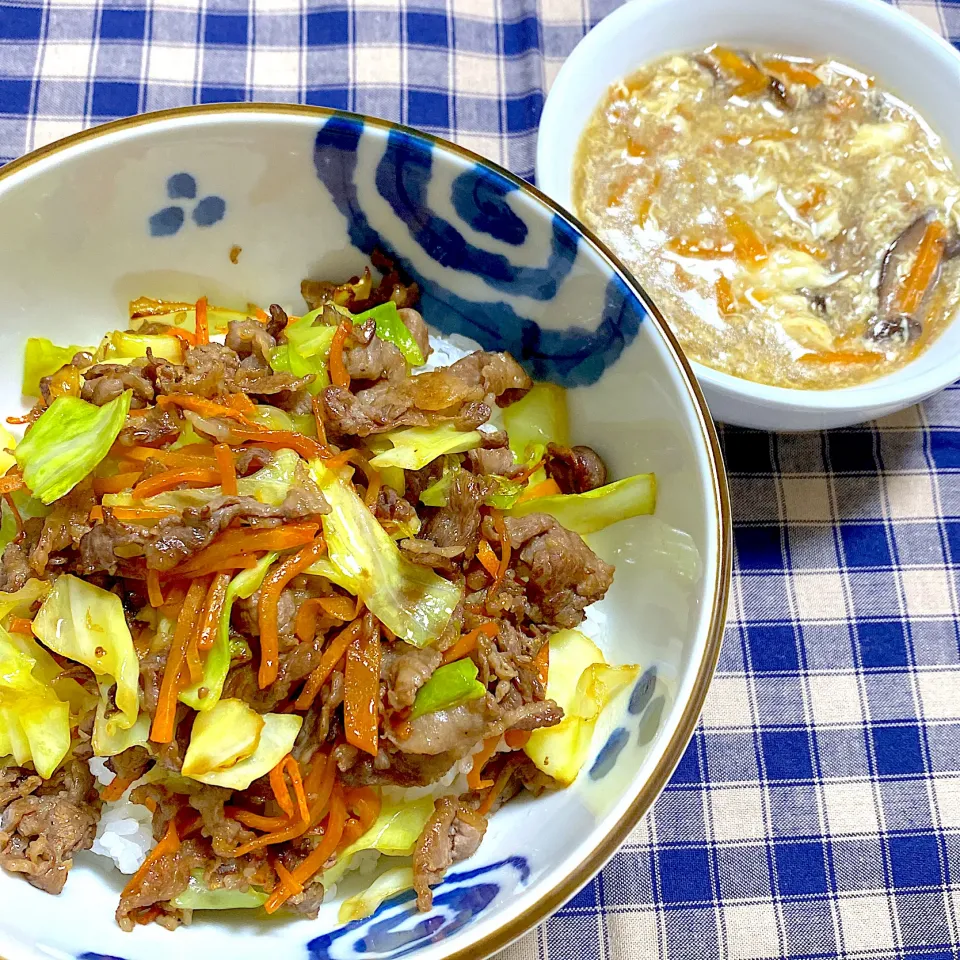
(286, 594)
(796, 223)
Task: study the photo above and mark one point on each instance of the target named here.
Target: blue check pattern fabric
(816, 812)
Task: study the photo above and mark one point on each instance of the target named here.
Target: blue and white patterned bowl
(153, 205)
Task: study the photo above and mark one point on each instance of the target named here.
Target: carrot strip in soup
(925, 266)
(361, 698)
(273, 585)
(748, 247)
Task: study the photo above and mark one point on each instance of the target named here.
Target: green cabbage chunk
(85, 623)
(217, 664)
(222, 737)
(413, 601)
(34, 721)
(307, 351)
(367, 902)
(589, 512)
(392, 329)
(276, 741)
(67, 442)
(198, 896)
(415, 447)
(538, 418)
(43, 358)
(503, 496)
(583, 684)
(134, 345)
(450, 686)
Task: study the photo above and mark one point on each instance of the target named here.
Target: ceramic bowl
(906, 57)
(153, 205)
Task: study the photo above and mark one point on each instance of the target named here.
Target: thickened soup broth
(796, 223)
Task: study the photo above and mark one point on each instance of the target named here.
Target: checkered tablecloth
(817, 810)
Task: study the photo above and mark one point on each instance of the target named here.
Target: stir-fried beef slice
(225, 833)
(393, 768)
(40, 832)
(65, 525)
(165, 878)
(456, 731)
(248, 337)
(157, 427)
(575, 469)
(246, 612)
(452, 834)
(207, 371)
(417, 326)
(81, 360)
(15, 569)
(367, 357)
(493, 462)
(174, 539)
(428, 554)
(525, 716)
(270, 384)
(294, 666)
(392, 508)
(563, 574)
(418, 401)
(405, 669)
(15, 784)
(496, 374)
(458, 523)
(104, 382)
(249, 460)
(132, 764)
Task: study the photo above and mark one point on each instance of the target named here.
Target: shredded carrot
(260, 313)
(500, 527)
(116, 788)
(339, 607)
(339, 459)
(502, 780)
(247, 541)
(288, 882)
(212, 608)
(96, 514)
(296, 779)
(185, 336)
(929, 255)
(21, 625)
(26, 418)
(196, 457)
(791, 72)
(169, 479)
(305, 625)
(154, 591)
(811, 249)
(228, 470)
(723, 291)
(205, 408)
(273, 584)
(11, 482)
(474, 780)
(364, 803)
(255, 820)
(488, 558)
(203, 331)
(468, 642)
(318, 419)
(338, 370)
(332, 655)
(547, 488)
(842, 356)
(169, 843)
(542, 663)
(163, 721)
(361, 692)
(752, 78)
(192, 659)
(281, 792)
(699, 247)
(307, 447)
(516, 739)
(115, 484)
(240, 402)
(748, 247)
(320, 854)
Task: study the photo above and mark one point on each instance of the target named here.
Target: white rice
(125, 831)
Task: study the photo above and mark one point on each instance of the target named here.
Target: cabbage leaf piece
(34, 721)
(85, 623)
(449, 686)
(392, 329)
(367, 902)
(415, 447)
(394, 833)
(217, 664)
(537, 419)
(413, 601)
(589, 512)
(134, 345)
(43, 358)
(67, 442)
(582, 683)
(276, 741)
(222, 737)
(198, 896)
